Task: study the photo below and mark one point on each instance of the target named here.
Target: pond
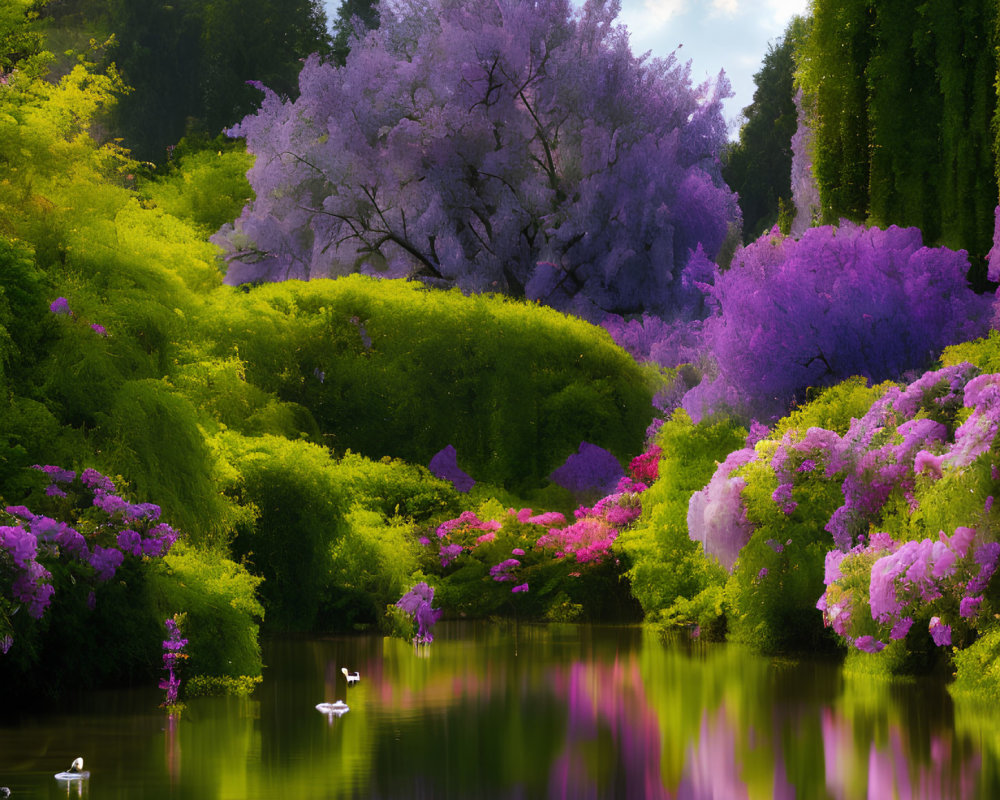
(528, 711)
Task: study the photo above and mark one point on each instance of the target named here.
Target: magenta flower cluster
(546, 536)
(173, 654)
(118, 529)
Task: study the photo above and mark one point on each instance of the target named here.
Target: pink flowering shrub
(550, 565)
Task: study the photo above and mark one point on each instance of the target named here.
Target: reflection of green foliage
(209, 686)
(666, 564)
(219, 599)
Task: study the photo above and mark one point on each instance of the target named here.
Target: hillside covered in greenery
(492, 341)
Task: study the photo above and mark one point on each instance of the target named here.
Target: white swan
(352, 677)
(334, 709)
(75, 772)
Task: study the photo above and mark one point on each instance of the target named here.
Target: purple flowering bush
(876, 593)
(173, 656)
(74, 562)
(857, 514)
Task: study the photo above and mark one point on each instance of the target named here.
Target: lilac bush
(875, 592)
(591, 469)
(98, 542)
(444, 465)
(517, 147)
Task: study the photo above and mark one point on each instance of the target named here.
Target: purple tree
(509, 146)
(838, 302)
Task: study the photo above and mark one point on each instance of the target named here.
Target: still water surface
(532, 711)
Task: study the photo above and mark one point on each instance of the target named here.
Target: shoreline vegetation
(276, 384)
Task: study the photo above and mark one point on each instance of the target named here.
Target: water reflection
(523, 712)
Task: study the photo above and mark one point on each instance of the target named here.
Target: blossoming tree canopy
(838, 302)
(516, 147)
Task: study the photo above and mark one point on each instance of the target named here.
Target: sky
(730, 35)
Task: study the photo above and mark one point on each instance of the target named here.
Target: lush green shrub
(152, 434)
(207, 187)
(389, 368)
(222, 611)
(666, 565)
(299, 502)
(370, 568)
(771, 595)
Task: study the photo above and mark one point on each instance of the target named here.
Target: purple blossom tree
(514, 146)
(838, 302)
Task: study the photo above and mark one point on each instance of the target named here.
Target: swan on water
(352, 677)
(76, 771)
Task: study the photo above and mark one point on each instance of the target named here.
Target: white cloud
(779, 12)
(657, 13)
(726, 8)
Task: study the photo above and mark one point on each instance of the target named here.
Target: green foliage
(394, 488)
(188, 62)
(222, 611)
(984, 353)
(833, 408)
(370, 568)
(206, 187)
(300, 506)
(901, 100)
(666, 565)
(759, 166)
(390, 368)
(151, 434)
(977, 669)
(772, 593)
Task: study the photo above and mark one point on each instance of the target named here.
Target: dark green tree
(901, 99)
(189, 61)
(758, 167)
(350, 11)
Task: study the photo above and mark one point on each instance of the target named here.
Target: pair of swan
(340, 707)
